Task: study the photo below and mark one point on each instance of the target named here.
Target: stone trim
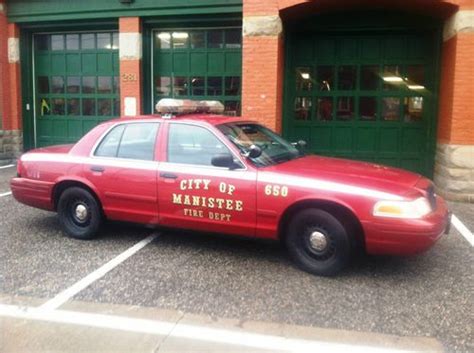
(11, 145)
(460, 22)
(130, 46)
(13, 50)
(2, 8)
(454, 172)
(254, 26)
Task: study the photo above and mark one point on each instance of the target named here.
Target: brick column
(454, 169)
(130, 53)
(262, 69)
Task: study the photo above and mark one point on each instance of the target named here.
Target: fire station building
(387, 81)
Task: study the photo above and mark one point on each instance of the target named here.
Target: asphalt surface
(428, 295)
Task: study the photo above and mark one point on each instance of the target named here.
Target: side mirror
(224, 160)
(254, 151)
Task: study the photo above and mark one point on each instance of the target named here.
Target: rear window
(129, 141)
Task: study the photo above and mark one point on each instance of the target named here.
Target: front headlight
(402, 209)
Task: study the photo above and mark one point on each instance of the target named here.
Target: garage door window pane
(88, 41)
(368, 108)
(57, 42)
(347, 77)
(325, 78)
(88, 106)
(163, 40)
(392, 78)
(73, 84)
(163, 85)
(214, 86)
(391, 109)
(104, 41)
(44, 106)
(43, 84)
(324, 108)
(109, 145)
(72, 42)
(198, 86)
(57, 84)
(369, 78)
(88, 84)
(180, 86)
(215, 39)
(233, 38)
(198, 40)
(58, 106)
(304, 81)
(416, 77)
(232, 108)
(180, 40)
(104, 107)
(413, 109)
(232, 86)
(104, 84)
(42, 42)
(302, 108)
(73, 107)
(138, 142)
(345, 108)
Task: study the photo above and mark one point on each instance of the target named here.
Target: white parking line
(6, 194)
(70, 292)
(7, 166)
(466, 233)
(235, 338)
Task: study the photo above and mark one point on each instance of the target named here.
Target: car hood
(348, 172)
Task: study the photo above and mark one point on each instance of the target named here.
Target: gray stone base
(11, 145)
(454, 172)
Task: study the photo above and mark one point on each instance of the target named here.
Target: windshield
(275, 149)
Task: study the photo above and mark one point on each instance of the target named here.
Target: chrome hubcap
(318, 241)
(81, 212)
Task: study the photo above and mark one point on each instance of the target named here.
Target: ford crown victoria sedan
(213, 173)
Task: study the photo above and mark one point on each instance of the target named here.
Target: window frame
(216, 133)
(107, 131)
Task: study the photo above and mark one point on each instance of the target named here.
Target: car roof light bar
(168, 106)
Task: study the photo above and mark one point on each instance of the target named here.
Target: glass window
(58, 106)
(163, 40)
(189, 144)
(163, 85)
(413, 109)
(198, 40)
(88, 84)
(109, 145)
(215, 39)
(214, 86)
(116, 84)
(368, 108)
(347, 77)
(345, 108)
(116, 107)
(88, 106)
(392, 78)
(180, 40)
(42, 42)
(180, 86)
(390, 108)
(57, 42)
(115, 40)
(416, 77)
(73, 84)
(72, 42)
(369, 78)
(104, 107)
(304, 81)
(197, 86)
(104, 84)
(302, 108)
(43, 84)
(44, 106)
(57, 83)
(324, 108)
(138, 141)
(73, 107)
(233, 38)
(88, 41)
(104, 41)
(325, 77)
(232, 86)
(232, 108)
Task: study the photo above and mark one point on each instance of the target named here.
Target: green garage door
(199, 64)
(76, 84)
(364, 96)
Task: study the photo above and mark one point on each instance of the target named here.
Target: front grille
(431, 196)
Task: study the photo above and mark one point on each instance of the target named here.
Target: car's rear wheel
(318, 242)
(79, 213)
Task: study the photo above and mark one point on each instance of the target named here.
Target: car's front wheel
(79, 213)
(318, 242)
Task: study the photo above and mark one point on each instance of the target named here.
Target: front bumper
(33, 193)
(407, 236)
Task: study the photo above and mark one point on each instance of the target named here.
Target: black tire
(326, 257)
(86, 225)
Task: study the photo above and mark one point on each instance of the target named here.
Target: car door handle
(97, 168)
(168, 176)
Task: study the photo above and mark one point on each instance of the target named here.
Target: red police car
(213, 173)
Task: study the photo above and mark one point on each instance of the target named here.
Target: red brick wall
(3, 65)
